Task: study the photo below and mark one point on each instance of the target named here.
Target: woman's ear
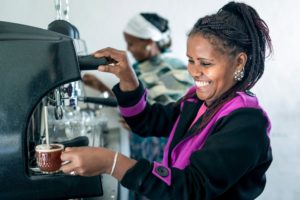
(148, 45)
(241, 60)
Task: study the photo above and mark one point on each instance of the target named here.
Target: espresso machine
(34, 65)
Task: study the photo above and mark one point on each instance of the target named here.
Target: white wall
(101, 22)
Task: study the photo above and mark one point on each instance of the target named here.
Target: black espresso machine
(33, 62)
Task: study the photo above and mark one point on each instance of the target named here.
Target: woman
(148, 39)
(218, 146)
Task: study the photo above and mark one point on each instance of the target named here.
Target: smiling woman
(218, 145)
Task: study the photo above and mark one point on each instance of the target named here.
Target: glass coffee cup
(48, 157)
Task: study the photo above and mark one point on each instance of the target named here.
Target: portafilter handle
(109, 101)
(89, 62)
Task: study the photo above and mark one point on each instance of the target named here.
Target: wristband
(114, 163)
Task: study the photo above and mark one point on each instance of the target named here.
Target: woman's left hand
(87, 161)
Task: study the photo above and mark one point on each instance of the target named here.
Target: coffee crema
(45, 147)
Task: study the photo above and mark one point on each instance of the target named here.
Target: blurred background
(101, 23)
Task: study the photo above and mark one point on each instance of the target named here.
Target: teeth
(201, 83)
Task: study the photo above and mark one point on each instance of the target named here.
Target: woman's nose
(194, 70)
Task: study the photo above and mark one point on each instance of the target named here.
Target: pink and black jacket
(225, 160)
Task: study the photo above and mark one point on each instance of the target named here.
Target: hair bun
(232, 7)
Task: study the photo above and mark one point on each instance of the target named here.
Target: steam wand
(46, 126)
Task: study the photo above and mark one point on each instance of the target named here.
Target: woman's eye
(206, 64)
(190, 61)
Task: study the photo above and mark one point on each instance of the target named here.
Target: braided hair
(162, 25)
(235, 28)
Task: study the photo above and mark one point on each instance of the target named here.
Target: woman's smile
(202, 84)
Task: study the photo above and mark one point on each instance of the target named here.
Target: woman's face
(211, 70)
(137, 47)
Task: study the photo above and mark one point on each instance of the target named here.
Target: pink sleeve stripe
(136, 109)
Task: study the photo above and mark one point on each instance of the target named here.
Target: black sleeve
(155, 120)
(237, 144)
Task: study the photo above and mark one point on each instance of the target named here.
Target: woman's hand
(92, 161)
(95, 83)
(124, 124)
(87, 161)
(121, 68)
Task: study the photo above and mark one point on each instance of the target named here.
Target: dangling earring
(238, 75)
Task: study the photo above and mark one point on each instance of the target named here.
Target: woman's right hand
(124, 124)
(121, 68)
(93, 82)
